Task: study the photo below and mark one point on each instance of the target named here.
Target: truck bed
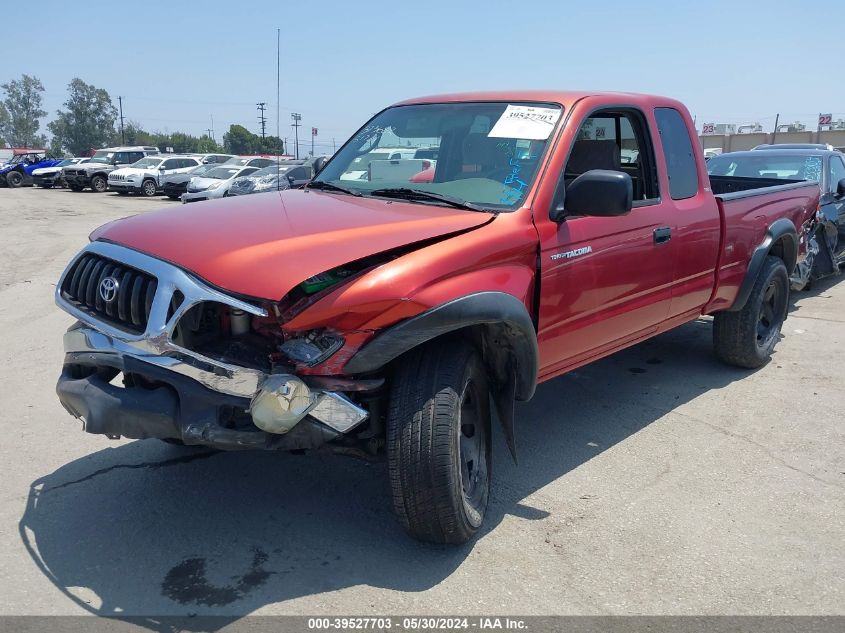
(724, 185)
(747, 206)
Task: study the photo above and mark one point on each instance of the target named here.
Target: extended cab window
(615, 140)
(677, 148)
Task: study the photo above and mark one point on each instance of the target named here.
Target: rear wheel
(746, 338)
(14, 179)
(438, 442)
(148, 188)
(99, 184)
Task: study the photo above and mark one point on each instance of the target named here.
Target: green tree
(207, 145)
(271, 145)
(22, 111)
(4, 119)
(239, 140)
(88, 122)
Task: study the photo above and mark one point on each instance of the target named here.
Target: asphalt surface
(657, 481)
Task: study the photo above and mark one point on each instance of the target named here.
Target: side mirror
(161, 167)
(840, 189)
(598, 192)
(291, 179)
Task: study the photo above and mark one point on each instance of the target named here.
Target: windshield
(272, 170)
(481, 153)
(66, 161)
(222, 173)
(147, 163)
(767, 165)
(102, 157)
(199, 170)
(238, 160)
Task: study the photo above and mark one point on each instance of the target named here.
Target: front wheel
(148, 188)
(747, 337)
(99, 184)
(14, 179)
(438, 442)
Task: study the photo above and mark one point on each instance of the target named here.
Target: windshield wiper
(406, 193)
(327, 186)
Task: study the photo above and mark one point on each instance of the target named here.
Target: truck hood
(264, 245)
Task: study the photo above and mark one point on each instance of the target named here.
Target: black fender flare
(509, 325)
(783, 230)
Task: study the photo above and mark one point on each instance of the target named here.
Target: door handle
(662, 235)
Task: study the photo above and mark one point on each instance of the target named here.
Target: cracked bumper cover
(177, 408)
(191, 394)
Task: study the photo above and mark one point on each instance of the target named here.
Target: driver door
(606, 281)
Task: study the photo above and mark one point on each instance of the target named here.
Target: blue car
(18, 171)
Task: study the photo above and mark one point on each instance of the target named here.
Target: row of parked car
(146, 171)
(768, 165)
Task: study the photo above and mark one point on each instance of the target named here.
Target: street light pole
(296, 119)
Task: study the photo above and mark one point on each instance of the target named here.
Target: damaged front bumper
(171, 392)
(163, 401)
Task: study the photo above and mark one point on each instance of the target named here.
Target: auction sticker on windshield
(528, 122)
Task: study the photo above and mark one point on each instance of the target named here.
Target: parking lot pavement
(655, 481)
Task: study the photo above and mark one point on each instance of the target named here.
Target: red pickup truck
(382, 317)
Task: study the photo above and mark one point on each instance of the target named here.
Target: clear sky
(178, 63)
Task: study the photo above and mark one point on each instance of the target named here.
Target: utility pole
(334, 147)
(211, 129)
(295, 125)
(122, 136)
(775, 131)
(313, 134)
(262, 119)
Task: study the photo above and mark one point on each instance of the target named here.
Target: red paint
(625, 289)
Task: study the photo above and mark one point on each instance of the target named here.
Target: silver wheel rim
(472, 452)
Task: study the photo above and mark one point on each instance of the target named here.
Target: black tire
(747, 337)
(76, 188)
(99, 183)
(148, 188)
(14, 179)
(438, 442)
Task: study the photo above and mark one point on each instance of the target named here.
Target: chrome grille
(130, 308)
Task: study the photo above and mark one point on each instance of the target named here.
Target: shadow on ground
(146, 528)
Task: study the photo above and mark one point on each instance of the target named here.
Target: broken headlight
(311, 349)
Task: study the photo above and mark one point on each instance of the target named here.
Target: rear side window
(677, 147)
(837, 172)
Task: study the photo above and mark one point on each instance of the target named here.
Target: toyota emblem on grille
(108, 289)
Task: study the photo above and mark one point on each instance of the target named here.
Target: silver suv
(95, 172)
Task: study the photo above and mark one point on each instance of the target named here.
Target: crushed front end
(158, 353)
